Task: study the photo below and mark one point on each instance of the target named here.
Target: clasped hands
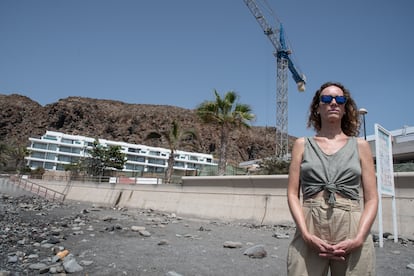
(337, 251)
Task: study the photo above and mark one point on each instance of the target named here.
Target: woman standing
(332, 233)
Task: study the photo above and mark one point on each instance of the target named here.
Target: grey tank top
(336, 173)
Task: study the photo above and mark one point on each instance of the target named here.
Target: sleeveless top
(339, 172)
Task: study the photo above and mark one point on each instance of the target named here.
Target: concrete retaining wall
(259, 199)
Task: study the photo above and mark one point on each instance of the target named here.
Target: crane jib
(277, 38)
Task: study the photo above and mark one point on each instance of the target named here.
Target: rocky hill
(21, 118)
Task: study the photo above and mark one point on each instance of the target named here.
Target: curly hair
(350, 122)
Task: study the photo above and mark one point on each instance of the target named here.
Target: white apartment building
(54, 150)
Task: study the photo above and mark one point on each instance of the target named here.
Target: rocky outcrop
(21, 118)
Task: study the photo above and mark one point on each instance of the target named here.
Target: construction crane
(284, 62)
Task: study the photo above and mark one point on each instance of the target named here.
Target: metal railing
(37, 189)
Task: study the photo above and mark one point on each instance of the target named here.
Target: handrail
(37, 189)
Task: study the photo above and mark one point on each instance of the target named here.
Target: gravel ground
(108, 241)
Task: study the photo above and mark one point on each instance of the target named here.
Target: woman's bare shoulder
(300, 141)
(298, 146)
(363, 146)
(362, 142)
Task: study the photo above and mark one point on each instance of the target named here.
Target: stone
(137, 228)
(231, 244)
(281, 236)
(37, 266)
(145, 233)
(71, 265)
(257, 251)
(163, 242)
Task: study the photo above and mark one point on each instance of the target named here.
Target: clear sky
(177, 52)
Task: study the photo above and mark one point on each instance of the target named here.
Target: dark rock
(21, 118)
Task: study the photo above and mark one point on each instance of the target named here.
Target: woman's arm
(293, 189)
(293, 194)
(370, 195)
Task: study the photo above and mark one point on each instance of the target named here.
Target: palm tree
(3, 154)
(175, 137)
(229, 115)
(18, 154)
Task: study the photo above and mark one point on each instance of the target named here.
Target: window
(76, 150)
(60, 167)
(70, 150)
(136, 158)
(50, 137)
(36, 164)
(70, 159)
(65, 149)
(133, 167)
(36, 154)
(155, 169)
(49, 165)
(64, 158)
(193, 158)
(156, 161)
(39, 146)
(52, 147)
(67, 141)
(193, 166)
(50, 156)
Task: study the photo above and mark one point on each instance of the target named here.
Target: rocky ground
(106, 241)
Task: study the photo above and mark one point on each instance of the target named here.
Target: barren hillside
(21, 118)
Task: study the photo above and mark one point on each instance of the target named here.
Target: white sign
(385, 177)
(385, 171)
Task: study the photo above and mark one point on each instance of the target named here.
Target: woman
(332, 233)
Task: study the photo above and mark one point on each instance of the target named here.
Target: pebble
(39, 241)
(144, 233)
(71, 265)
(256, 251)
(281, 236)
(231, 244)
(163, 242)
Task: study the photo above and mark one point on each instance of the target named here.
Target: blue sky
(177, 52)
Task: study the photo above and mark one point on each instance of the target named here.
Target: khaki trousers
(332, 224)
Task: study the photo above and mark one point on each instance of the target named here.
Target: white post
(380, 227)
(394, 219)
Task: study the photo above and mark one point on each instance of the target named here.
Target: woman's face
(332, 103)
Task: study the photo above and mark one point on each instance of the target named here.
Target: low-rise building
(402, 145)
(55, 150)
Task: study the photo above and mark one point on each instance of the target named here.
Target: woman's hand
(323, 248)
(342, 249)
(348, 245)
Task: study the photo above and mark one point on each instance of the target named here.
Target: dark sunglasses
(328, 99)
